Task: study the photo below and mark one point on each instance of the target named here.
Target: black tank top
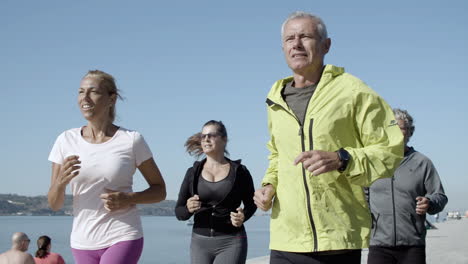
(213, 192)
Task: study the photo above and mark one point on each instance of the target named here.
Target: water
(167, 240)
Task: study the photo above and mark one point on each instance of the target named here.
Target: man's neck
(18, 248)
(307, 77)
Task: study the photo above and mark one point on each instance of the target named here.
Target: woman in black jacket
(213, 190)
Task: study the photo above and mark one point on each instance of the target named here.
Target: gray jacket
(393, 202)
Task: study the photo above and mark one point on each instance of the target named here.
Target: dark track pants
(397, 255)
(283, 257)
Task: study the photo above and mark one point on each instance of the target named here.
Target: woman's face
(211, 140)
(93, 100)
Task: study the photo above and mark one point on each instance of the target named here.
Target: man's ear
(327, 45)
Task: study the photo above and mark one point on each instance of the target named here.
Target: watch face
(344, 155)
(344, 158)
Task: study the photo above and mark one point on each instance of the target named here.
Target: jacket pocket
(410, 229)
(374, 223)
(418, 224)
(382, 230)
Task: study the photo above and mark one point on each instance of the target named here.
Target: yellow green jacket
(329, 211)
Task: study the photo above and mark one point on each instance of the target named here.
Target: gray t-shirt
(298, 99)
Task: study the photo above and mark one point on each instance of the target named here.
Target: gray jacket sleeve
(434, 190)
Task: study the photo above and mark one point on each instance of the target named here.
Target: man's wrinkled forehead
(298, 25)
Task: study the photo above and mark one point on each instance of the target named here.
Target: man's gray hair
(404, 116)
(18, 237)
(321, 27)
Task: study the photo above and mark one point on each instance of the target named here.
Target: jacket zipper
(394, 215)
(301, 133)
(304, 177)
(211, 221)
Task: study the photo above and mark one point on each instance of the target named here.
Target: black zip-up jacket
(213, 220)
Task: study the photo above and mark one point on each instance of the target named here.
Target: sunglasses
(209, 135)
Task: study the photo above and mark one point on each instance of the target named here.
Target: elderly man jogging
(330, 135)
(399, 205)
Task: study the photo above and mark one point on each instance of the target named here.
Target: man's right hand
(264, 196)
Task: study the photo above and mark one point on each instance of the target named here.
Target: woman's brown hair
(43, 243)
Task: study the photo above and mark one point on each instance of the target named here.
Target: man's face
(404, 130)
(25, 244)
(302, 45)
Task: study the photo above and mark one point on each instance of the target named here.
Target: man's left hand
(422, 205)
(318, 161)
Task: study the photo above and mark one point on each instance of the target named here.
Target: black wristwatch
(344, 157)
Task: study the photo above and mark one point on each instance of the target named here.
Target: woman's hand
(114, 200)
(68, 171)
(237, 219)
(193, 203)
(62, 174)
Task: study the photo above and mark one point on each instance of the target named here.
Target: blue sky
(181, 63)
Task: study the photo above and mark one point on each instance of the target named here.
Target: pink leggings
(125, 252)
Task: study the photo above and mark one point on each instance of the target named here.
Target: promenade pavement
(447, 244)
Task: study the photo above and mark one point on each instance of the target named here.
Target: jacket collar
(328, 74)
(408, 155)
(409, 151)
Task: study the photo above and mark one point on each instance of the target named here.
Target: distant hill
(13, 204)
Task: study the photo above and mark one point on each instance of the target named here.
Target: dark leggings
(283, 257)
(224, 249)
(394, 255)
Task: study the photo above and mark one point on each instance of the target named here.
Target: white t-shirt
(109, 165)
